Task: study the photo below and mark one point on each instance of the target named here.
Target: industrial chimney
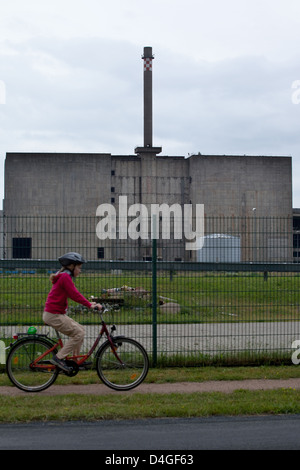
(148, 115)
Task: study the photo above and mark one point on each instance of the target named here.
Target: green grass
(93, 407)
(39, 407)
(203, 297)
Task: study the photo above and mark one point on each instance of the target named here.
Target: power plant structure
(248, 198)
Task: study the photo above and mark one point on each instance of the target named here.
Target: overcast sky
(226, 77)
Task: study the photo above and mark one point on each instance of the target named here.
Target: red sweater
(62, 289)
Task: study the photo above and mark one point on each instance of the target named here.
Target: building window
(296, 240)
(296, 223)
(21, 247)
(100, 252)
(112, 189)
(113, 173)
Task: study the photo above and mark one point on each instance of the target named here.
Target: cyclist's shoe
(86, 365)
(61, 364)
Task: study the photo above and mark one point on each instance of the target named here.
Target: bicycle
(121, 363)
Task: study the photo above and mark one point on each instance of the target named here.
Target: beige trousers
(68, 327)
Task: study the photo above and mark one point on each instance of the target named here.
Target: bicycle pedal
(74, 368)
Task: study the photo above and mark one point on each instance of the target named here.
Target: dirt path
(225, 386)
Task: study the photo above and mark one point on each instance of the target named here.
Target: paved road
(181, 435)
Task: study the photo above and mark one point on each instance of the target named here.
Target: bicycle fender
(24, 338)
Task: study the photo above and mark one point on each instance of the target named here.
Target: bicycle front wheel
(26, 374)
(126, 367)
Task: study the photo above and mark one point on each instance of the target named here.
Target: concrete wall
(241, 194)
(67, 186)
(149, 179)
(75, 184)
(70, 187)
(234, 185)
(56, 184)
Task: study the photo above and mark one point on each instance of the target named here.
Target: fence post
(154, 293)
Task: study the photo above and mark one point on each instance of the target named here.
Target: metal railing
(237, 301)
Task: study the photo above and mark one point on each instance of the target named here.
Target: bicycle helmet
(71, 258)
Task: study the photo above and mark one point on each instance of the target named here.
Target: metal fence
(235, 300)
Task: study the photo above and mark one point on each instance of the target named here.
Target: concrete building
(51, 199)
(49, 193)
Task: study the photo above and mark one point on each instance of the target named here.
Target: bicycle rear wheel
(21, 371)
(125, 371)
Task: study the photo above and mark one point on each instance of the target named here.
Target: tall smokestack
(148, 118)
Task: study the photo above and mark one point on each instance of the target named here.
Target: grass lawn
(203, 297)
(37, 407)
(93, 407)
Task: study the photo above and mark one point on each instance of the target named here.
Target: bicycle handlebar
(96, 309)
(104, 309)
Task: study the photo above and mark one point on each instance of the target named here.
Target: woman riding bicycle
(57, 304)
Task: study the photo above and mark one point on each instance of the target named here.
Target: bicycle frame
(81, 358)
